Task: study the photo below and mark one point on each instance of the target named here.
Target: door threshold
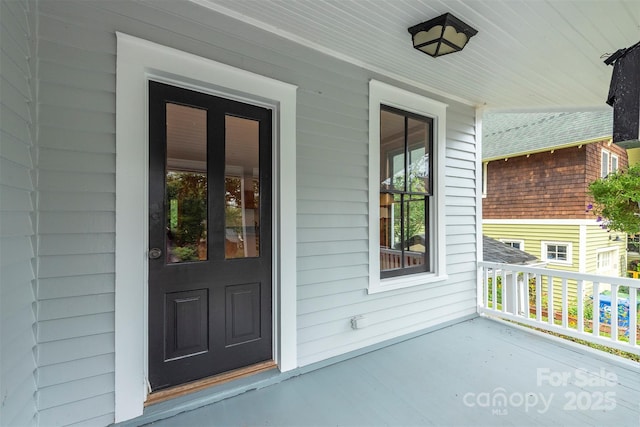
(198, 385)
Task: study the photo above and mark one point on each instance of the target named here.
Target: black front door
(209, 235)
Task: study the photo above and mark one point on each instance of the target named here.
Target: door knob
(155, 253)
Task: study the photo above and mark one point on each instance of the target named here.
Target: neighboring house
(186, 191)
(537, 169)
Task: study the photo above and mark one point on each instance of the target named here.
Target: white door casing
(138, 61)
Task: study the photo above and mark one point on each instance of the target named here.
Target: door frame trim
(138, 61)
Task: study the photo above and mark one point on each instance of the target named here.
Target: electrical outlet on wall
(359, 322)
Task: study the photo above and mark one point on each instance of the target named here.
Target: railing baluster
(525, 281)
(485, 286)
(596, 309)
(539, 297)
(504, 294)
(580, 307)
(614, 312)
(494, 294)
(633, 316)
(550, 310)
(565, 304)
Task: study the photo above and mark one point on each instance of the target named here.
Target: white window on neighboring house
(406, 189)
(557, 252)
(607, 262)
(614, 163)
(518, 244)
(604, 164)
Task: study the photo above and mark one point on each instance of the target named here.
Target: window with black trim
(406, 187)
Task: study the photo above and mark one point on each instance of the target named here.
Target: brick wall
(545, 185)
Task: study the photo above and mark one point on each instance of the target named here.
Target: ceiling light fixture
(442, 35)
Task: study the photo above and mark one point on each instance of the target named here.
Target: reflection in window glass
(186, 184)
(392, 164)
(604, 164)
(242, 188)
(418, 147)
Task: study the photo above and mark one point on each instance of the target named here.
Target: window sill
(402, 282)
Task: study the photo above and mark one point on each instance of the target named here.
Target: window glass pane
(186, 184)
(392, 151)
(557, 252)
(604, 164)
(562, 253)
(515, 245)
(389, 256)
(415, 231)
(242, 188)
(418, 148)
(551, 252)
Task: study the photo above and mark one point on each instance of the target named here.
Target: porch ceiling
(533, 55)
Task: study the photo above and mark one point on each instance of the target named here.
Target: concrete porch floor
(477, 372)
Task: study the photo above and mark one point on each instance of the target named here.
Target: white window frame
(385, 94)
(509, 241)
(138, 61)
(604, 163)
(543, 250)
(615, 257)
(614, 163)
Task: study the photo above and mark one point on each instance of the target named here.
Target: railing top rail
(519, 268)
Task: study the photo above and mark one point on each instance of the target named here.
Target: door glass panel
(242, 188)
(186, 184)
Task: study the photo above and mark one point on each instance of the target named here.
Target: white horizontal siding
(17, 317)
(76, 412)
(77, 195)
(78, 369)
(73, 391)
(333, 237)
(58, 351)
(65, 308)
(65, 287)
(77, 244)
(76, 219)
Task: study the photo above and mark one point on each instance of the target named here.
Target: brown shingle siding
(545, 185)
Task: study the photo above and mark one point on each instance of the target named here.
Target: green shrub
(186, 253)
(617, 200)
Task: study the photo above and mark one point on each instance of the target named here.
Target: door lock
(155, 253)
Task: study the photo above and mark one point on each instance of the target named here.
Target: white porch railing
(539, 297)
(392, 258)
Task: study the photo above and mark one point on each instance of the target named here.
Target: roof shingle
(496, 251)
(512, 134)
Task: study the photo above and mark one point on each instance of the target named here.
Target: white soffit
(528, 55)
